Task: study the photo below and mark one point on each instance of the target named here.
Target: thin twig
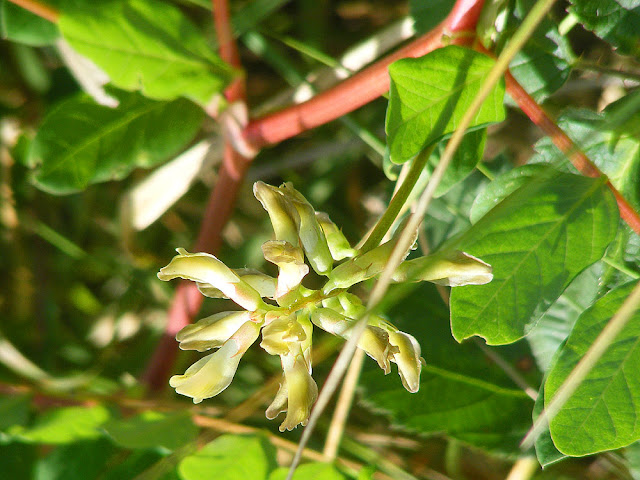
(343, 405)
(523, 469)
(584, 366)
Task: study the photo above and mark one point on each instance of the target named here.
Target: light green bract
(285, 311)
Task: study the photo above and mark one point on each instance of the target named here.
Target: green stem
(398, 200)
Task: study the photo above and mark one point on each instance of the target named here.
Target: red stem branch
(363, 87)
(582, 163)
(40, 9)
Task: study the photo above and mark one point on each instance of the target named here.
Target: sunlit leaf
(147, 46)
(429, 95)
(65, 425)
(309, 471)
(537, 240)
(602, 414)
(231, 457)
(80, 142)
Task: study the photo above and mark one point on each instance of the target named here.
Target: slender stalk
(343, 405)
(38, 8)
(584, 366)
(398, 200)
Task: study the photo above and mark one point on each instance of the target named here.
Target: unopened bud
(452, 269)
(205, 268)
(310, 233)
(260, 282)
(337, 242)
(273, 202)
(408, 359)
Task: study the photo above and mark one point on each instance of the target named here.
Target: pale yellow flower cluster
(284, 311)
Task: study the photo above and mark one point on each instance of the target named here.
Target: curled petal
(452, 269)
(280, 333)
(260, 282)
(212, 374)
(205, 268)
(337, 242)
(290, 262)
(408, 359)
(375, 342)
(273, 202)
(212, 331)
(310, 233)
(302, 391)
(279, 403)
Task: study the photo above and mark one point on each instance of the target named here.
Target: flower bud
(337, 242)
(331, 321)
(212, 331)
(290, 262)
(452, 269)
(260, 282)
(273, 202)
(408, 359)
(212, 374)
(205, 268)
(310, 233)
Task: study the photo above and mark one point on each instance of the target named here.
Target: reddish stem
(40, 9)
(582, 163)
(187, 299)
(363, 87)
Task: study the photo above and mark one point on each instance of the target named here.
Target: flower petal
(337, 242)
(408, 359)
(260, 282)
(290, 262)
(212, 374)
(302, 391)
(212, 331)
(273, 202)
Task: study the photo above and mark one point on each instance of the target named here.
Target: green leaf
(537, 239)
(147, 46)
(615, 21)
(230, 457)
(80, 142)
(77, 461)
(21, 26)
(546, 451)
(604, 412)
(152, 429)
(545, 62)
(554, 326)
(65, 425)
(309, 471)
(615, 149)
(429, 95)
(462, 393)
